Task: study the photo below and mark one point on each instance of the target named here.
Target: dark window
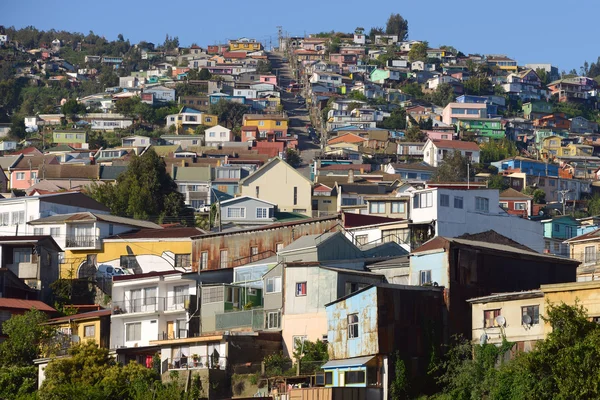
(127, 261)
(489, 318)
(353, 377)
(352, 326)
(183, 260)
(295, 195)
(444, 200)
(329, 378)
(533, 312)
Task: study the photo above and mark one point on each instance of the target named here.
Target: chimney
(351, 176)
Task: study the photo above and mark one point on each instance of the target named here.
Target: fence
(149, 304)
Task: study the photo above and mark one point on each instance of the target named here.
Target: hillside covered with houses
(320, 217)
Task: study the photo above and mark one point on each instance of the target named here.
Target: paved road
(297, 112)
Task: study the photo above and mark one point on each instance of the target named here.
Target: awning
(348, 362)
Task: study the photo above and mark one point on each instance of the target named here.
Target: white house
(435, 151)
(136, 141)
(161, 93)
(326, 79)
(149, 307)
(217, 135)
(8, 145)
(455, 212)
(108, 122)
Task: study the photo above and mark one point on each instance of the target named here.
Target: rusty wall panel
(238, 244)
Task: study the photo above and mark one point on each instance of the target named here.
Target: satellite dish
(527, 319)
(500, 320)
(483, 339)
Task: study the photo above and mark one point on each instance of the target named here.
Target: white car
(108, 271)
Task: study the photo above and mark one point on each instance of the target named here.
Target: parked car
(108, 271)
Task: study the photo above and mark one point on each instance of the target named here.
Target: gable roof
(595, 234)
(269, 164)
(35, 161)
(511, 193)
(243, 198)
(81, 316)
(455, 144)
(352, 220)
(25, 304)
(68, 171)
(347, 138)
(71, 199)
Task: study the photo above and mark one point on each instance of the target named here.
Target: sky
(530, 31)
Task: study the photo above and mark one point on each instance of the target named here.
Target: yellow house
(552, 146)
(92, 325)
(269, 125)
(324, 200)
(579, 150)
(245, 44)
(277, 182)
(586, 249)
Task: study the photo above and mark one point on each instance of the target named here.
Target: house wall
(437, 263)
(585, 294)
(514, 331)
(250, 206)
(273, 301)
(221, 135)
(151, 254)
(281, 194)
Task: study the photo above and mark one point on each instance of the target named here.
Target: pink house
(268, 79)
(434, 135)
(29, 170)
(343, 60)
(455, 111)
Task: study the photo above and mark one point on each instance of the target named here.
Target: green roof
(164, 151)
(194, 174)
(288, 216)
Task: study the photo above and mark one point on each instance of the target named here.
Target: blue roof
(356, 128)
(189, 110)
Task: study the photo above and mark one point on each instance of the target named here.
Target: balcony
(176, 334)
(151, 304)
(257, 319)
(198, 362)
(82, 242)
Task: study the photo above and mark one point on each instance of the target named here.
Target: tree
(593, 205)
(229, 113)
(442, 95)
(27, 336)
(478, 85)
(497, 182)
(292, 157)
(418, 52)
(144, 191)
(400, 384)
(356, 95)
(396, 25)
(375, 31)
(396, 120)
(311, 355)
(414, 134)
(204, 74)
(452, 169)
(263, 67)
(496, 150)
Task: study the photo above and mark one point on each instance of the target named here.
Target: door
(170, 329)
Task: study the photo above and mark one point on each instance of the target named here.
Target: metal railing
(176, 334)
(177, 302)
(149, 304)
(257, 319)
(196, 362)
(82, 241)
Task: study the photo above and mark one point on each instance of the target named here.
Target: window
(361, 239)
(504, 204)
(444, 200)
(482, 204)
(262, 212)
(38, 231)
(458, 202)
(211, 134)
(236, 212)
(18, 217)
(212, 294)
(349, 202)
(328, 378)
(352, 326)
(111, 229)
(133, 332)
(425, 277)
(4, 219)
(377, 207)
(253, 252)
(556, 228)
(520, 206)
(590, 255)
(533, 312)
(298, 340)
(352, 377)
(127, 261)
(20, 176)
(278, 247)
(89, 331)
(273, 320)
(300, 289)
(274, 284)
(204, 260)
(183, 260)
(22, 255)
(257, 191)
(223, 259)
(295, 195)
(489, 318)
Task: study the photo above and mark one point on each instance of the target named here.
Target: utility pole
(564, 199)
(279, 33)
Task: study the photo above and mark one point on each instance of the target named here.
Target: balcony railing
(257, 319)
(84, 241)
(150, 304)
(198, 362)
(176, 334)
(178, 302)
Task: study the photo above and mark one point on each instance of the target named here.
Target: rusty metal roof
(25, 304)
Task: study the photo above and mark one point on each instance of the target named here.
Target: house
(11, 306)
(227, 178)
(581, 125)
(188, 119)
(525, 86)
(368, 328)
(136, 141)
(348, 141)
(194, 183)
(80, 236)
(230, 249)
(161, 94)
(556, 231)
(369, 231)
(578, 89)
(292, 192)
(183, 141)
(516, 203)
(87, 326)
(453, 212)
(555, 121)
(27, 170)
(218, 135)
(148, 307)
(468, 268)
(454, 111)
(270, 126)
(200, 103)
(247, 210)
(434, 151)
(108, 122)
(502, 62)
(75, 138)
(326, 79)
(585, 248)
(483, 128)
(533, 110)
(412, 150)
(245, 44)
(33, 259)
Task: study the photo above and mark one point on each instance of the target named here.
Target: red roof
(28, 151)
(25, 304)
(85, 315)
(319, 187)
(234, 54)
(456, 144)
(352, 220)
(347, 138)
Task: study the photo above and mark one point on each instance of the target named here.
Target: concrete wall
(273, 301)
(437, 263)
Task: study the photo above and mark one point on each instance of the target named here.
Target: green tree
(312, 355)
(399, 386)
(414, 134)
(418, 52)
(593, 205)
(452, 169)
(145, 190)
(204, 74)
(263, 67)
(412, 89)
(497, 182)
(497, 150)
(396, 25)
(374, 31)
(27, 337)
(18, 383)
(356, 95)
(230, 113)
(396, 120)
(478, 85)
(442, 95)
(292, 157)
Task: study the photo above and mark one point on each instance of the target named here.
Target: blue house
(493, 103)
(367, 328)
(559, 229)
(527, 166)
(215, 97)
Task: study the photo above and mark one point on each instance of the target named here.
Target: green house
(69, 136)
(483, 127)
(536, 109)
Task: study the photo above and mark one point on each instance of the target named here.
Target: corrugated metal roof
(25, 304)
(348, 362)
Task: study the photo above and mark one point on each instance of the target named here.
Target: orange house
(556, 120)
